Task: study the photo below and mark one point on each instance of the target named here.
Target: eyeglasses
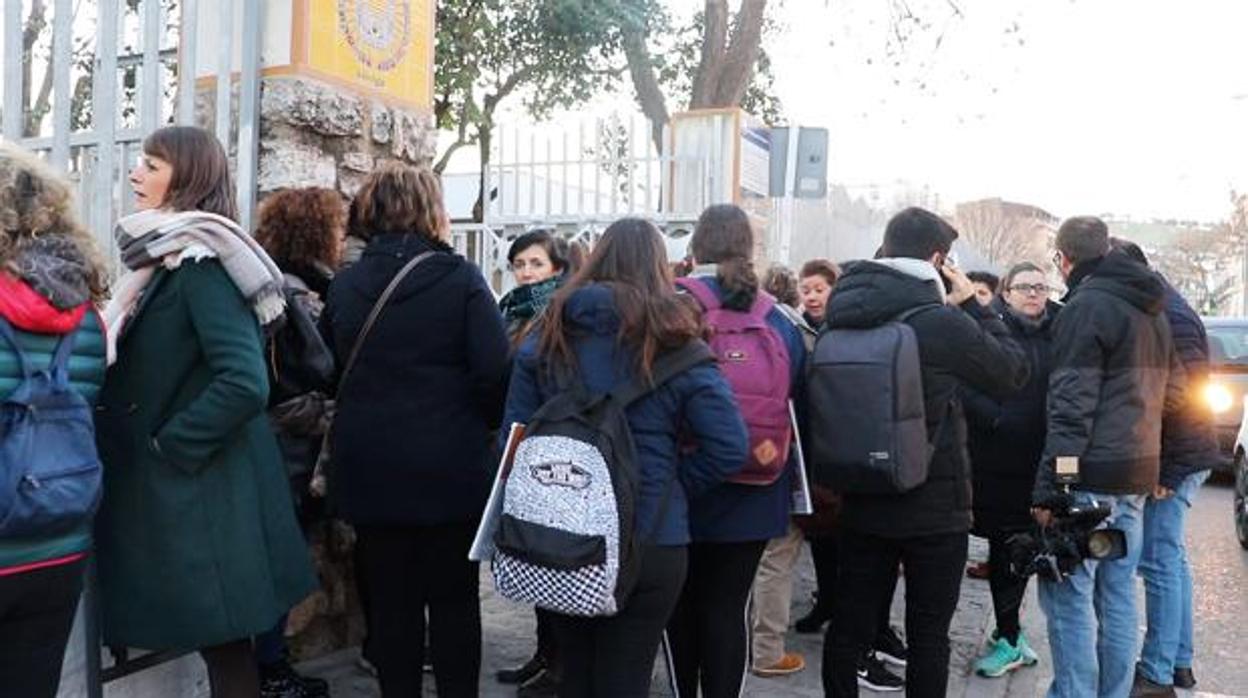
(1030, 289)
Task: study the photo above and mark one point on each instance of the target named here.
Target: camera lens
(1100, 545)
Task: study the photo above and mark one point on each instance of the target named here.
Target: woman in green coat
(198, 547)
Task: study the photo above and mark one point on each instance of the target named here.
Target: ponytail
(739, 283)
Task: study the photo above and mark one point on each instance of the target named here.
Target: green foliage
(554, 54)
(558, 54)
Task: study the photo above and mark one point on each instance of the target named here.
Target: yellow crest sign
(383, 45)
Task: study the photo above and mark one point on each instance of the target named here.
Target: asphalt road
(1220, 603)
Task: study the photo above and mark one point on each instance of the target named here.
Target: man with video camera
(1114, 372)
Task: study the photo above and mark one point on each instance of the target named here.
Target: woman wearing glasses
(1006, 439)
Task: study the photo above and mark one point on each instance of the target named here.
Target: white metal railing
(163, 79)
(585, 173)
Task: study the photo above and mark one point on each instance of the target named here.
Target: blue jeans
(1091, 614)
(1168, 583)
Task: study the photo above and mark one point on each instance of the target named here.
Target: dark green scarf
(526, 302)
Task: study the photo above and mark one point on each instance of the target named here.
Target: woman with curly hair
(51, 281)
(303, 231)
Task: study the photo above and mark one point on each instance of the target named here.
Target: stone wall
(315, 134)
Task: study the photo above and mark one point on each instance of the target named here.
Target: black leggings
(614, 657)
(409, 570)
(36, 614)
(1008, 590)
(825, 551)
(708, 635)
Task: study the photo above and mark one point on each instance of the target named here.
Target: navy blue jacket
(734, 513)
(698, 402)
(1188, 443)
(411, 438)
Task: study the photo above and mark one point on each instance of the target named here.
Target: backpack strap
(668, 366)
(59, 368)
(701, 291)
(906, 315)
(763, 303)
(6, 331)
(376, 313)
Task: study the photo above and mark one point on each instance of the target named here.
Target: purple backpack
(755, 360)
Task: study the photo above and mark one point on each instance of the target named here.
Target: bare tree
(1205, 263)
(729, 56)
(1005, 232)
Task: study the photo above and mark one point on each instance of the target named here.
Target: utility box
(811, 162)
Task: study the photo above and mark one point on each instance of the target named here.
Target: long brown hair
(201, 170)
(725, 237)
(630, 259)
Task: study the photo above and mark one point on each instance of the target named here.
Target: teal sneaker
(1000, 660)
(1030, 658)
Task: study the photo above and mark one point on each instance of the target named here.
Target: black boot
(282, 681)
(521, 674)
(813, 622)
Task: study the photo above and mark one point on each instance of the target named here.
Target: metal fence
(118, 70)
(109, 73)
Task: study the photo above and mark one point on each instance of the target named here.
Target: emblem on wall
(378, 31)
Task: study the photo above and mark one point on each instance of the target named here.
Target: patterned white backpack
(567, 540)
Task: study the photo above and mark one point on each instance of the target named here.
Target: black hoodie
(1114, 373)
(968, 345)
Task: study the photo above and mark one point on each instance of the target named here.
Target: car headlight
(1218, 398)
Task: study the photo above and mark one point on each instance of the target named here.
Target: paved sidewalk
(508, 641)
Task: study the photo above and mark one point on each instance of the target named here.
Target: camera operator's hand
(961, 287)
(1043, 516)
(1162, 492)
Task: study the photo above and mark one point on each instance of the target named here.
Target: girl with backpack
(198, 545)
(539, 260)
(611, 324)
(51, 280)
(762, 353)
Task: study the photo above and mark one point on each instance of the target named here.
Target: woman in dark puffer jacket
(51, 278)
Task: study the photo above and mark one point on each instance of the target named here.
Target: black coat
(1188, 442)
(968, 345)
(1114, 372)
(1006, 437)
(411, 438)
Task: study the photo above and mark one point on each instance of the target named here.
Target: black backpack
(868, 432)
(567, 539)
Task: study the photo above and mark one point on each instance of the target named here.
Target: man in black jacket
(1189, 449)
(1114, 373)
(925, 528)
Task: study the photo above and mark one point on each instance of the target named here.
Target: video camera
(1053, 552)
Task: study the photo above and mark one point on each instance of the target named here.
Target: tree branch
(461, 138)
(714, 48)
(742, 55)
(646, 84)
